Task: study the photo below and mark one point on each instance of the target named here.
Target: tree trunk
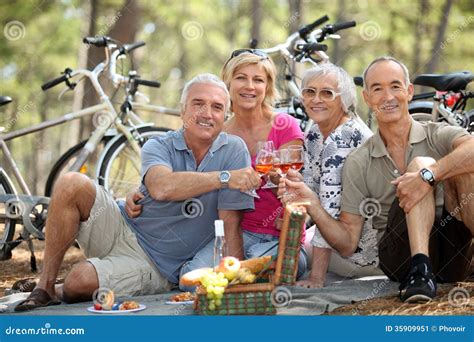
(296, 15)
(338, 55)
(256, 16)
(123, 27)
(436, 50)
(88, 30)
(393, 33)
(294, 22)
(92, 58)
(420, 31)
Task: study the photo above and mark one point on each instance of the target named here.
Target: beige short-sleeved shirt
(368, 171)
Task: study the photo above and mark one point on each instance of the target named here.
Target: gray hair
(204, 79)
(387, 59)
(345, 84)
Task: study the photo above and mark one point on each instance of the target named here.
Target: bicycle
(447, 104)
(449, 101)
(115, 170)
(303, 46)
(124, 147)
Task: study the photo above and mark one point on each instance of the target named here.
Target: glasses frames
(255, 52)
(326, 95)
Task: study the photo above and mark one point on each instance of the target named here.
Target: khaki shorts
(346, 268)
(112, 248)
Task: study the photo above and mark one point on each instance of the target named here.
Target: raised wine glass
(264, 161)
(296, 157)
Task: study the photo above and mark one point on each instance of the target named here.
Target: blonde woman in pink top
(250, 77)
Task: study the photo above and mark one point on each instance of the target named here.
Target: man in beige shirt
(416, 181)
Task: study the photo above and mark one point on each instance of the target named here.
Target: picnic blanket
(290, 300)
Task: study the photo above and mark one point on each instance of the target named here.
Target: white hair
(345, 84)
(204, 79)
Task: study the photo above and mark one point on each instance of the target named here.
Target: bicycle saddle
(4, 100)
(359, 81)
(454, 81)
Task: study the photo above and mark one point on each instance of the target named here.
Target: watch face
(427, 176)
(225, 176)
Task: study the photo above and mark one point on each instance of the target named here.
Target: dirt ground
(452, 299)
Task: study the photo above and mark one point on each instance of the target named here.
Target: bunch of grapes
(215, 284)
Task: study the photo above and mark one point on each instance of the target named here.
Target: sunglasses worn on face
(326, 95)
(255, 52)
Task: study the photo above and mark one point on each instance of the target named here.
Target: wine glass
(281, 162)
(296, 157)
(264, 161)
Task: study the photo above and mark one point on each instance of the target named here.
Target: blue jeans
(255, 245)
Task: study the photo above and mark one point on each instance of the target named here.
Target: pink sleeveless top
(268, 207)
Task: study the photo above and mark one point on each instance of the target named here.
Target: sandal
(38, 298)
(24, 285)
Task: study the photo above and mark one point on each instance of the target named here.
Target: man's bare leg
(421, 217)
(72, 200)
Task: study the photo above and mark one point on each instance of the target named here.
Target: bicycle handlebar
(154, 84)
(126, 48)
(307, 29)
(343, 26)
(331, 29)
(56, 81)
(96, 41)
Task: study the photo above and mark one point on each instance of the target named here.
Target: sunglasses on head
(255, 52)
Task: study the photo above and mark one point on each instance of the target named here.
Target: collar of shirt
(417, 134)
(180, 144)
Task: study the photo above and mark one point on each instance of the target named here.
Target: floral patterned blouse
(322, 172)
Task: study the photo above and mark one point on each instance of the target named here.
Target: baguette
(193, 278)
(256, 265)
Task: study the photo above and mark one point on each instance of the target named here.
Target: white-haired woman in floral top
(329, 98)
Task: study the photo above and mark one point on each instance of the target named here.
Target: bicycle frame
(111, 115)
(441, 110)
(39, 127)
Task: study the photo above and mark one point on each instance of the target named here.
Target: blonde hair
(245, 59)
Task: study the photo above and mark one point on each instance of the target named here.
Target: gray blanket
(289, 300)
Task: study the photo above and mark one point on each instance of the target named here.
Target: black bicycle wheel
(421, 117)
(119, 171)
(420, 109)
(7, 225)
(63, 164)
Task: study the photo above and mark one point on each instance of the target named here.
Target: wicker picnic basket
(260, 298)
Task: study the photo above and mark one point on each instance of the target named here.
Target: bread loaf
(256, 265)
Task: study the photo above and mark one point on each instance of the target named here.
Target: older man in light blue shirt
(190, 178)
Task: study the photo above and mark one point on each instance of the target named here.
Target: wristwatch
(224, 177)
(428, 176)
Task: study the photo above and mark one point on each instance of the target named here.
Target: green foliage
(189, 37)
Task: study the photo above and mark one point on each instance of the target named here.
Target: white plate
(140, 308)
(187, 302)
